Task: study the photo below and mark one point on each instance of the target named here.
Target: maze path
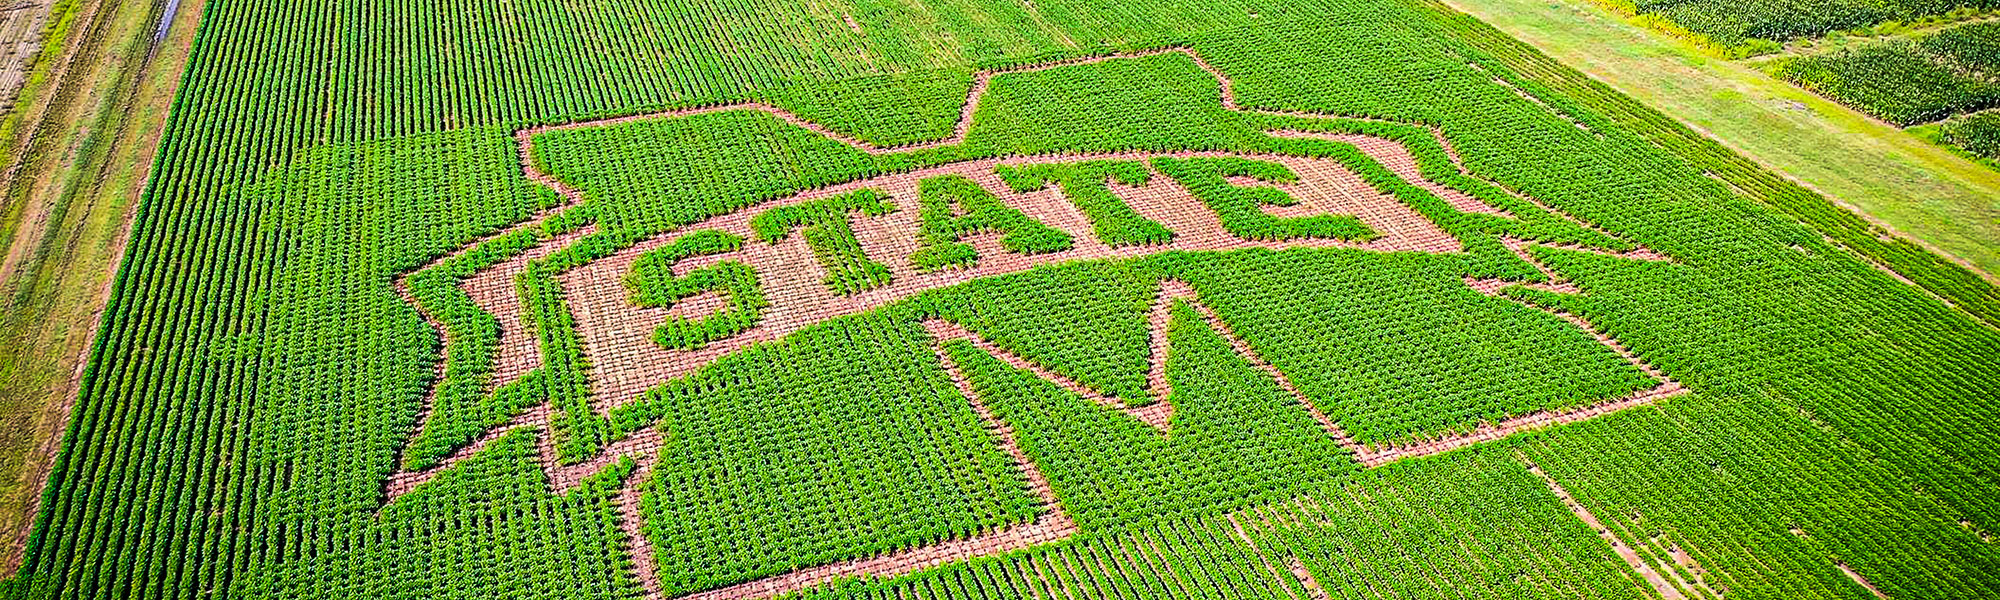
(1325, 187)
(1055, 524)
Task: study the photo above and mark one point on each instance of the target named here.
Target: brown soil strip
(1497, 80)
(1053, 525)
(631, 341)
(643, 447)
(631, 521)
(1696, 578)
(1395, 157)
(489, 291)
(1631, 557)
(617, 334)
(1298, 568)
(1539, 419)
(401, 482)
(964, 124)
(489, 288)
(514, 343)
(1056, 525)
(1178, 289)
(1157, 414)
(1882, 234)
(495, 291)
(1236, 528)
(1851, 574)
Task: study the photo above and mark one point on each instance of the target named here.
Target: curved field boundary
(499, 298)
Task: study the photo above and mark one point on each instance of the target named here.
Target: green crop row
(487, 527)
(1242, 208)
(1977, 133)
(1898, 81)
(955, 207)
(654, 284)
(1906, 81)
(829, 230)
(804, 453)
(1949, 280)
(1235, 436)
(1973, 47)
(1182, 560)
(1756, 25)
(257, 376)
(1477, 526)
(1085, 185)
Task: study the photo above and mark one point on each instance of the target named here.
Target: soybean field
(1049, 300)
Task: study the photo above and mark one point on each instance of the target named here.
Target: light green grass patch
(1911, 186)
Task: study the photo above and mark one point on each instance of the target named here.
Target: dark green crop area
(1734, 22)
(260, 376)
(1977, 133)
(1920, 79)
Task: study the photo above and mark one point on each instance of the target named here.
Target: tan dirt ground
(21, 24)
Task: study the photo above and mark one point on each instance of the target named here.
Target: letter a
(943, 226)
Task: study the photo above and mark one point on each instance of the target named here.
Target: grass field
(1911, 186)
(971, 300)
(85, 135)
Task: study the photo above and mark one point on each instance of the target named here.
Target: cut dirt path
(1667, 582)
(628, 363)
(617, 335)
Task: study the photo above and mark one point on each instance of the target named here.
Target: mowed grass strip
(1898, 180)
